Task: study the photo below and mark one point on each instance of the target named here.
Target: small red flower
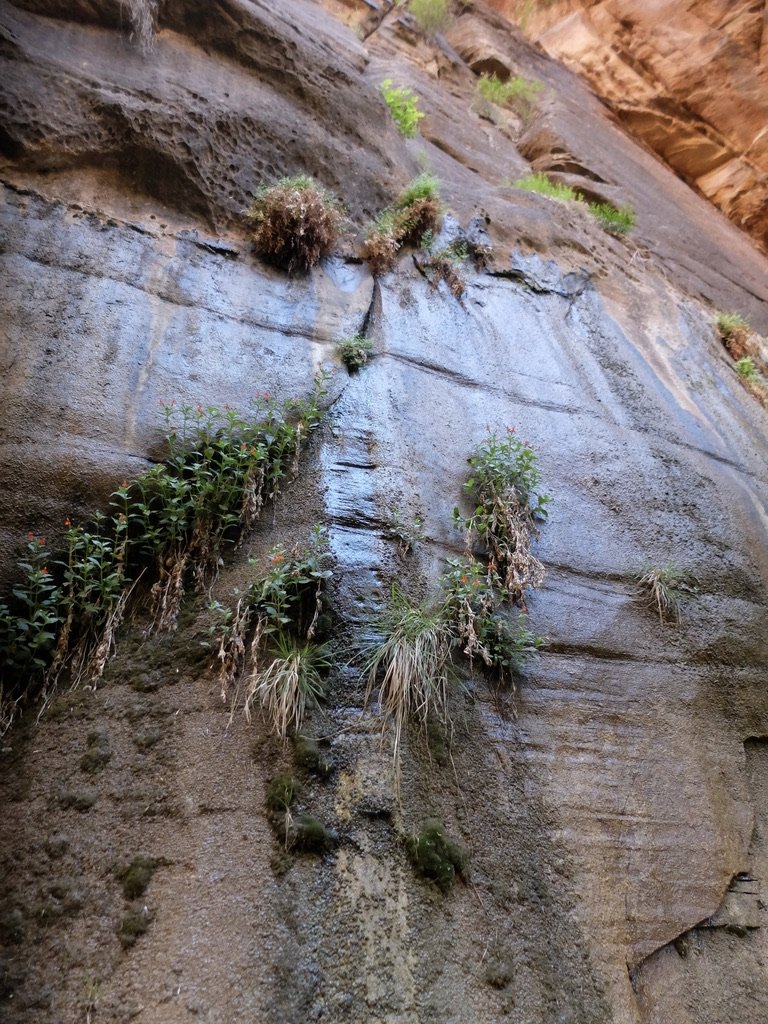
(67, 522)
(44, 570)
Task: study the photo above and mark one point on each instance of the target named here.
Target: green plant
(517, 92)
(537, 182)
(172, 523)
(308, 755)
(295, 222)
(406, 533)
(402, 103)
(414, 657)
(292, 681)
(98, 754)
(615, 221)
(472, 605)
(431, 15)
(503, 483)
(435, 855)
(354, 351)
(281, 793)
(444, 265)
(662, 587)
(729, 324)
(745, 367)
(415, 212)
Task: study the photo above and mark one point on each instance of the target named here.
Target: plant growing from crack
(662, 588)
(271, 635)
(415, 212)
(173, 523)
(295, 222)
(402, 104)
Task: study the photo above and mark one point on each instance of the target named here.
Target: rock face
(616, 821)
(688, 79)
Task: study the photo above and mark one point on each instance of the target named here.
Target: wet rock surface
(607, 818)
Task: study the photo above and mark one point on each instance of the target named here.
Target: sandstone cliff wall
(615, 821)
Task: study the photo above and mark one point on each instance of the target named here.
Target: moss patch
(435, 855)
(136, 876)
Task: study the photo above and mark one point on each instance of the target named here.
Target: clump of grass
(431, 15)
(415, 212)
(540, 183)
(309, 834)
(662, 587)
(78, 799)
(295, 222)
(729, 324)
(410, 665)
(615, 221)
(354, 351)
(445, 264)
(291, 682)
(435, 855)
(746, 369)
(282, 792)
(402, 103)
(517, 92)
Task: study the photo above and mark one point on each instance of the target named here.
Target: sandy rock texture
(688, 79)
(614, 808)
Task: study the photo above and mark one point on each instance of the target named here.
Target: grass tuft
(295, 222)
(289, 684)
(544, 186)
(615, 221)
(516, 92)
(402, 103)
(431, 15)
(662, 588)
(412, 662)
(415, 212)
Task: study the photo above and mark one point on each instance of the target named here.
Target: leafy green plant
(431, 15)
(517, 92)
(662, 588)
(615, 221)
(415, 212)
(354, 351)
(295, 222)
(540, 183)
(291, 682)
(411, 662)
(172, 523)
(403, 106)
(435, 855)
(472, 603)
(503, 483)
